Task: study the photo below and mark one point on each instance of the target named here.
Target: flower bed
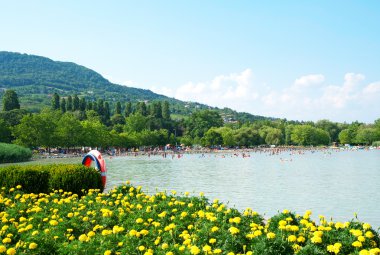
(127, 221)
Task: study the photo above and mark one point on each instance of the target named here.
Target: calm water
(336, 185)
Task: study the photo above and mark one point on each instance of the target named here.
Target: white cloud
(309, 97)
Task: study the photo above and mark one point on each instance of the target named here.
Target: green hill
(36, 78)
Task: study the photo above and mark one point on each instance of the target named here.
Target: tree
(55, 102)
(63, 105)
(308, 135)
(128, 109)
(37, 130)
(10, 100)
(247, 136)
(69, 106)
(367, 135)
(156, 110)
(201, 121)
(136, 123)
(118, 119)
(345, 136)
(107, 113)
(274, 136)
(212, 137)
(5, 132)
(76, 103)
(69, 131)
(166, 110)
(82, 104)
(118, 108)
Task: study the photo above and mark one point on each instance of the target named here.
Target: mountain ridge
(36, 78)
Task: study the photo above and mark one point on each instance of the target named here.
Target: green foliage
(55, 105)
(367, 135)
(10, 153)
(45, 178)
(10, 100)
(201, 121)
(308, 135)
(5, 132)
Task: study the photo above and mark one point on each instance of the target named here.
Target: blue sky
(304, 60)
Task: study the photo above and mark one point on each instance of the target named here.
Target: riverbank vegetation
(128, 221)
(74, 122)
(10, 153)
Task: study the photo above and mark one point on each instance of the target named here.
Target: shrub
(10, 153)
(45, 178)
(377, 143)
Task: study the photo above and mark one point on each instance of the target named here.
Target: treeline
(73, 122)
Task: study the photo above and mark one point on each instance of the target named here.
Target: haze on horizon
(295, 59)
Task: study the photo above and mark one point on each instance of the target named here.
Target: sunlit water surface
(335, 184)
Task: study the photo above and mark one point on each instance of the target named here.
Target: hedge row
(45, 178)
(10, 153)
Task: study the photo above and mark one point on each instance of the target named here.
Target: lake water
(334, 184)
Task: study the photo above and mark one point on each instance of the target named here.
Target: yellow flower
(2, 248)
(53, 222)
(7, 240)
(301, 239)
(217, 251)
(32, 246)
(194, 250)
(357, 244)
(164, 246)
(292, 238)
(366, 226)
(82, 238)
(11, 251)
(141, 248)
(139, 220)
(233, 230)
(361, 239)
(369, 234)
(316, 239)
(107, 252)
(271, 235)
(169, 253)
(212, 240)
(206, 248)
(364, 252)
(214, 229)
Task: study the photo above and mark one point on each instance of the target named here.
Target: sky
(299, 60)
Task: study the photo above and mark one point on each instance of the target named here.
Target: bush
(377, 143)
(45, 178)
(10, 153)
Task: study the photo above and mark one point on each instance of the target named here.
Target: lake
(335, 184)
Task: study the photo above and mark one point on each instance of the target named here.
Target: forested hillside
(36, 79)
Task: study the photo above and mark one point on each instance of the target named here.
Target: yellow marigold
(82, 238)
(164, 246)
(141, 248)
(217, 251)
(2, 248)
(301, 239)
(361, 239)
(7, 240)
(32, 246)
(139, 220)
(206, 248)
(316, 239)
(53, 222)
(214, 229)
(169, 253)
(364, 252)
(233, 230)
(212, 240)
(107, 252)
(292, 238)
(369, 234)
(357, 244)
(194, 250)
(366, 226)
(11, 251)
(271, 235)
